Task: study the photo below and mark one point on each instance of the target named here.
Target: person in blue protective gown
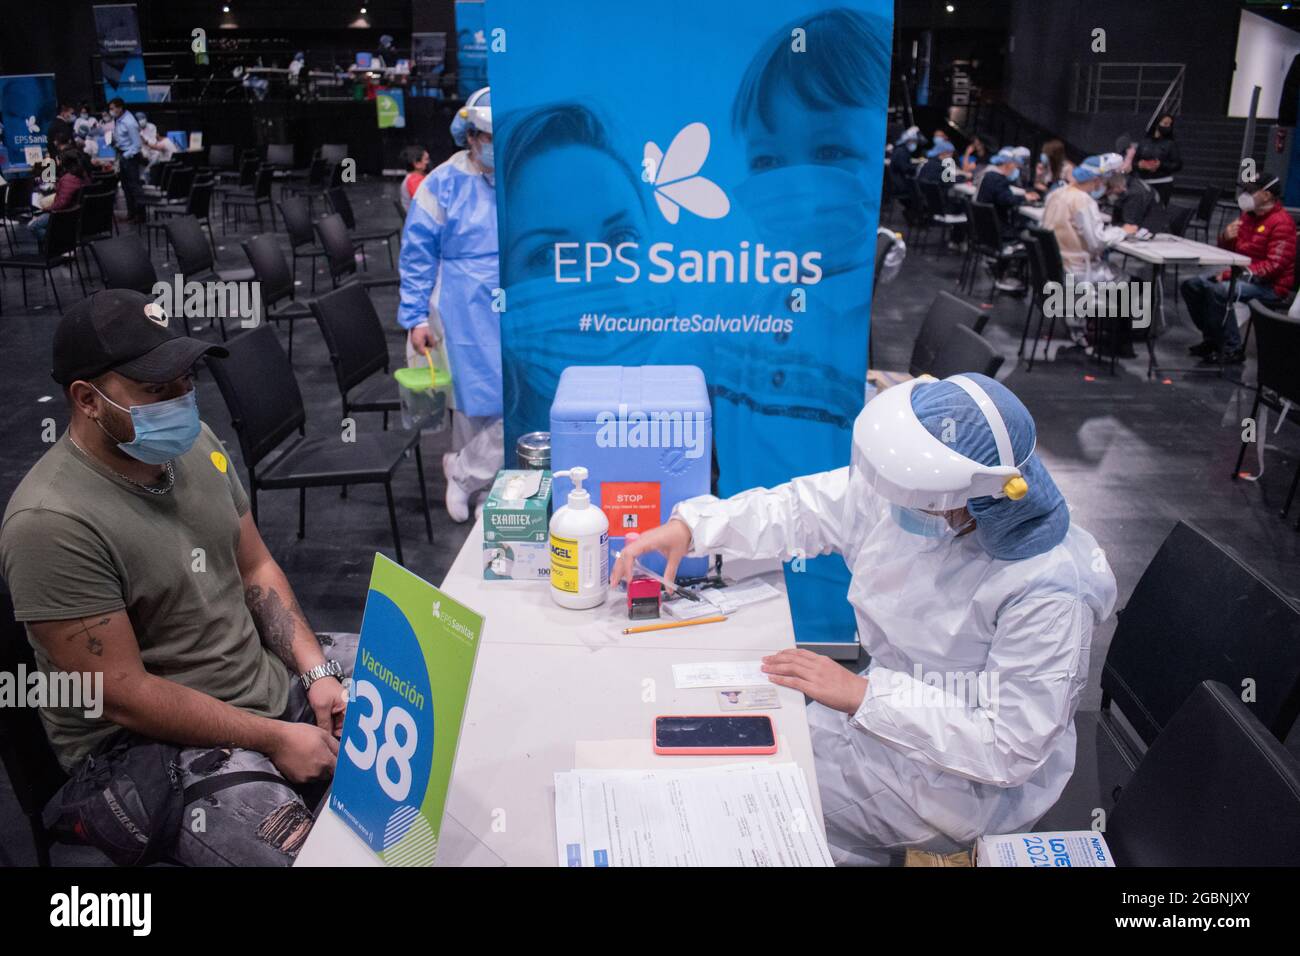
(975, 596)
(449, 279)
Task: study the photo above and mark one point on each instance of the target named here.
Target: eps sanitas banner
(406, 702)
(27, 105)
(698, 183)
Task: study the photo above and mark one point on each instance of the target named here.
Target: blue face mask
(1098, 192)
(813, 208)
(163, 430)
(486, 157)
(1013, 176)
(921, 523)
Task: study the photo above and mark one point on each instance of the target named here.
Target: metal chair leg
(424, 491)
(392, 519)
(1241, 454)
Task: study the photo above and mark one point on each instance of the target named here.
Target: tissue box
(515, 524)
(1059, 848)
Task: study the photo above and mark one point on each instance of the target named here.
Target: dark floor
(1133, 456)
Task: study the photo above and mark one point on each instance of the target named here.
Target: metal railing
(1127, 87)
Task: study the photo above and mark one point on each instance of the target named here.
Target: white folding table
(553, 687)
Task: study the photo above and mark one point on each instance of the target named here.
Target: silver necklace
(152, 489)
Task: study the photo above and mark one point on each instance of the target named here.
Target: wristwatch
(328, 669)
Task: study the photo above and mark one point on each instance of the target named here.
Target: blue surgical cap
(1087, 170)
(1006, 529)
(459, 129)
(940, 147)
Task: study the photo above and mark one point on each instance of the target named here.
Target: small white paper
(719, 674)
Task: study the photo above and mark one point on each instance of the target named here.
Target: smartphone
(747, 734)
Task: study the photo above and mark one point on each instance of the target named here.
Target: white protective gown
(910, 770)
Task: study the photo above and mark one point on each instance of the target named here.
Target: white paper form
(736, 815)
(719, 674)
(726, 600)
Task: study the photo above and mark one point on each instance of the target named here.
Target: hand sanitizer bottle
(579, 548)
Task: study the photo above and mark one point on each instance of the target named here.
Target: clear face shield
(921, 477)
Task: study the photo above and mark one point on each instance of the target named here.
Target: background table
(1165, 250)
(554, 686)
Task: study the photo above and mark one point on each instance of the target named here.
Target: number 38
(390, 752)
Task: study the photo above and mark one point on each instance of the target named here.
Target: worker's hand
(1129, 227)
(672, 540)
(1231, 229)
(422, 339)
(328, 701)
(817, 676)
(1032, 196)
(304, 752)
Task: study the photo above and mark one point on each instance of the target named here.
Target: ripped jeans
(260, 822)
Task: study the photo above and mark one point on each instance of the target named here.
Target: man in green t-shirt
(130, 552)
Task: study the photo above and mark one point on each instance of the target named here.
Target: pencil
(664, 625)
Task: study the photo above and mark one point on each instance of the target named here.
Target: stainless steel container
(534, 450)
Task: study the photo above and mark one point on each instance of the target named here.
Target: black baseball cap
(118, 330)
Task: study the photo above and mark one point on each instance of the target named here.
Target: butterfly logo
(676, 180)
(32, 125)
(437, 609)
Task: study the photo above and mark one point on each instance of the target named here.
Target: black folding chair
(124, 264)
(194, 261)
(296, 215)
(1216, 788)
(965, 351)
(358, 350)
(946, 312)
(266, 409)
(276, 283)
(339, 202)
(60, 249)
(29, 761)
(1205, 208)
(255, 199)
(340, 253)
(1277, 344)
(1198, 613)
(312, 187)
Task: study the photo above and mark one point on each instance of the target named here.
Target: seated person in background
(901, 170)
(976, 155)
(73, 176)
(996, 189)
(1158, 157)
(1266, 233)
(938, 159)
(84, 123)
(60, 132)
(417, 167)
(1134, 201)
(155, 147)
(1054, 170)
(1073, 215)
(130, 552)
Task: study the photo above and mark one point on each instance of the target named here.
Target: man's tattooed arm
(281, 623)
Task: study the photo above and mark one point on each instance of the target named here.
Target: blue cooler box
(645, 435)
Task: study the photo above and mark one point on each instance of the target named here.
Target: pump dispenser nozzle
(579, 497)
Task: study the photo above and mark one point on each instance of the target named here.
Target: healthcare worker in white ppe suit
(449, 269)
(975, 597)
